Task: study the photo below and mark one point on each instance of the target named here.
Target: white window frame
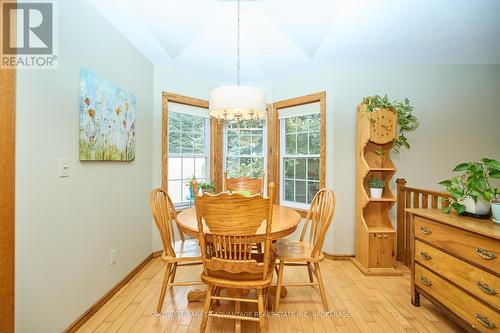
(282, 144)
(264, 152)
(206, 155)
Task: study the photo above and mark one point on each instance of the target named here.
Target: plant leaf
(460, 209)
(492, 164)
(462, 167)
(495, 174)
(445, 182)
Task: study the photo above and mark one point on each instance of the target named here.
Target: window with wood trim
(188, 153)
(299, 148)
(300, 158)
(191, 146)
(244, 148)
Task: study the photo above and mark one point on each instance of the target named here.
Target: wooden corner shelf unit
(375, 236)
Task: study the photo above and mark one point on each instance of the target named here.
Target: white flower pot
(376, 193)
(495, 209)
(481, 207)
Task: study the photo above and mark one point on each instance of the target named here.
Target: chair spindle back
(253, 185)
(318, 220)
(163, 213)
(233, 220)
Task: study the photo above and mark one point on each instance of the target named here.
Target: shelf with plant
(407, 121)
(376, 186)
(472, 191)
(377, 157)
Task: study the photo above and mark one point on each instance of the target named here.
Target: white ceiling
(282, 37)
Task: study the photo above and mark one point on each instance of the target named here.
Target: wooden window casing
(274, 166)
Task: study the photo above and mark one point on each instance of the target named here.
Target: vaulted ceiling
(282, 37)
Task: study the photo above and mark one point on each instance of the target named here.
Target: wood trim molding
(216, 153)
(186, 100)
(272, 132)
(301, 100)
(157, 254)
(338, 256)
(216, 133)
(103, 300)
(164, 141)
(274, 136)
(7, 194)
(322, 142)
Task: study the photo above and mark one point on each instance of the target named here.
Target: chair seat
(238, 281)
(188, 249)
(295, 250)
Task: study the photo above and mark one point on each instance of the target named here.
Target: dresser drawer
(476, 281)
(480, 316)
(478, 249)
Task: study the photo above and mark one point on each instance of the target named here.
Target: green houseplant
(207, 187)
(406, 119)
(472, 191)
(376, 186)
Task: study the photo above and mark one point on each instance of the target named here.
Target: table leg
(196, 295)
(284, 291)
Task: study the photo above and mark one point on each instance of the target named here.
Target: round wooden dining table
(285, 221)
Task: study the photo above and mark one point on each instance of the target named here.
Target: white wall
(170, 80)
(457, 105)
(66, 227)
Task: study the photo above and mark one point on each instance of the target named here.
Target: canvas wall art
(107, 120)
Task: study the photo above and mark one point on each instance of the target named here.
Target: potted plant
(191, 190)
(376, 187)
(495, 209)
(207, 187)
(471, 192)
(406, 119)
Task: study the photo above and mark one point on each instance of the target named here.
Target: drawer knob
(485, 254)
(484, 320)
(426, 281)
(484, 287)
(425, 255)
(425, 230)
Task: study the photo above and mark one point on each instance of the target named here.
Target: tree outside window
(244, 148)
(301, 158)
(188, 154)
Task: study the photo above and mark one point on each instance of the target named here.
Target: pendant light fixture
(237, 102)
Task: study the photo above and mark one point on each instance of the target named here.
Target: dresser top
(479, 226)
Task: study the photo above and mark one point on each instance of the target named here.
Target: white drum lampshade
(237, 102)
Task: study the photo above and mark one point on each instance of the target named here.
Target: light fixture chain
(238, 48)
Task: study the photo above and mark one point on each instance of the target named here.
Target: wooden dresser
(456, 265)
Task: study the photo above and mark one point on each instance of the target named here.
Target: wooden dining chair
(247, 184)
(176, 253)
(228, 261)
(237, 184)
(307, 252)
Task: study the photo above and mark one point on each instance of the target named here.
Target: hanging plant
(407, 122)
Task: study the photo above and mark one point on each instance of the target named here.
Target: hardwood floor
(362, 304)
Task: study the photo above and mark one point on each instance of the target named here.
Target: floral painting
(107, 120)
